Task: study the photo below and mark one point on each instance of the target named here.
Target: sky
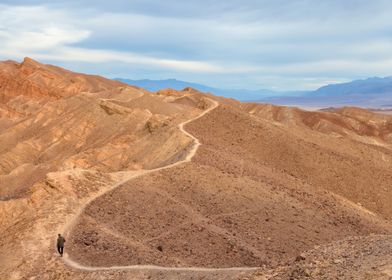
(252, 44)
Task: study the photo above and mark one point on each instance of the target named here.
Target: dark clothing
(60, 245)
(60, 249)
(60, 241)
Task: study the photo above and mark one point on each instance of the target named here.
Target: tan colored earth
(186, 185)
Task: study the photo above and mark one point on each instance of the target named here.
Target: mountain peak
(42, 80)
(29, 66)
(27, 61)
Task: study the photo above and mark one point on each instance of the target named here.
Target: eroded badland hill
(186, 185)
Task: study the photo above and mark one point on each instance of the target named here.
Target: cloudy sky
(282, 45)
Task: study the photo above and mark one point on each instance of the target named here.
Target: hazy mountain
(370, 86)
(240, 94)
(369, 93)
(372, 92)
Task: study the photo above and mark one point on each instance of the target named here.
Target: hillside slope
(266, 184)
(249, 198)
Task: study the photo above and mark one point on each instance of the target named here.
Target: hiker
(60, 244)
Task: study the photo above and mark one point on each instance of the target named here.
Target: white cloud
(46, 38)
(99, 56)
(52, 37)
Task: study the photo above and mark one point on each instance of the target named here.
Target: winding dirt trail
(128, 175)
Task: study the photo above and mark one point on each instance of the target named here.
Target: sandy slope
(131, 175)
(253, 215)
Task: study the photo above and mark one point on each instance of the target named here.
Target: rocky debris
(188, 101)
(190, 90)
(112, 108)
(169, 91)
(156, 122)
(300, 257)
(203, 104)
(362, 257)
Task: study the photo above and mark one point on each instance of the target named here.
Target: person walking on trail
(60, 244)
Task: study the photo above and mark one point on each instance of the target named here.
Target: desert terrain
(186, 185)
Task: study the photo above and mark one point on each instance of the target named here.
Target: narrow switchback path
(127, 176)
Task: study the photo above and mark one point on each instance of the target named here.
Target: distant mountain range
(370, 93)
(240, 94)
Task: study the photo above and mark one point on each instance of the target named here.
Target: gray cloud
(248, 44)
